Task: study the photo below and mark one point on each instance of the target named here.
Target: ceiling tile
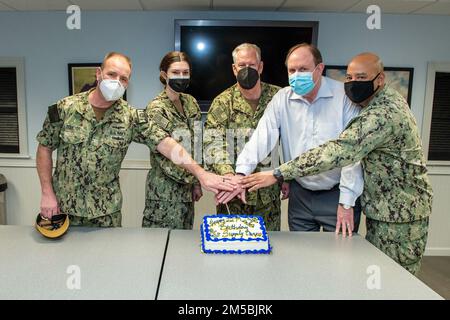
(37, 5)
(176, 4)
(247, 4)
(387, 6)
(441, 7)
(391, 6)
(108, 4)
(319, 5)
(5, 8)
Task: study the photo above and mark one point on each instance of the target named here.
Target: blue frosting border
(265, 236)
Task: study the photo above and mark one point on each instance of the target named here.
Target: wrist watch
(345, 206)
(277, 174)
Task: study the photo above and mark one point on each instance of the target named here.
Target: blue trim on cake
(208, 236)
(203, 239)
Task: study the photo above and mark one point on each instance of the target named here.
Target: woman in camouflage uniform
(171, 190)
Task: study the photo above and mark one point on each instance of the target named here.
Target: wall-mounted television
(209, 44)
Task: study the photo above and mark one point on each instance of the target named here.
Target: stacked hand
(226, 196)
(215, 183)
(258, 180)
(254, 182)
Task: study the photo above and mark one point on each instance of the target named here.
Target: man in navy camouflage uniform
(91, 132)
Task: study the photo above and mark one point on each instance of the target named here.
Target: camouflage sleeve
(161, 124)
(140, 125)
(49, 135)
(364, 133)
(176, 172)
(214, 140)
(146, 131)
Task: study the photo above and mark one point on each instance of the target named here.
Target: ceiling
(441, 7)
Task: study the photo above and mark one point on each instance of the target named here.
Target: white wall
(48, 46)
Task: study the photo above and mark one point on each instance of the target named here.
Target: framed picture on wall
(399, 78)
(82, 77)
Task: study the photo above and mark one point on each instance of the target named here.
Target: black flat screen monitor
(209, 44)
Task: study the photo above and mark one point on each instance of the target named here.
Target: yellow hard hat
(52, 228)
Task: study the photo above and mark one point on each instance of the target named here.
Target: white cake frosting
(234, 234)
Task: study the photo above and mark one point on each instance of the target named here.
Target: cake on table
(224, 233)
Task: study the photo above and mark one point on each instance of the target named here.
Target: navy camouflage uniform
(168, 195)
(89, 156)
(230, 111)
(397, 196)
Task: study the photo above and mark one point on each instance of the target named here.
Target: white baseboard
(436, 251)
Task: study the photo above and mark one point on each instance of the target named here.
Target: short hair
(377, 60)
(246, 46)
(116, 54)
(169, 58)
(312, 48)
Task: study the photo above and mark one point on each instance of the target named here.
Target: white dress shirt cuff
(246, 170)
(347, 198)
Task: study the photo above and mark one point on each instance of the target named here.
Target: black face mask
(247, 77)
(358, 91)
(179, 84)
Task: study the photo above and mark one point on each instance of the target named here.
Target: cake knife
(228, 209)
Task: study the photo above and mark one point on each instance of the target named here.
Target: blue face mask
(302, 82)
